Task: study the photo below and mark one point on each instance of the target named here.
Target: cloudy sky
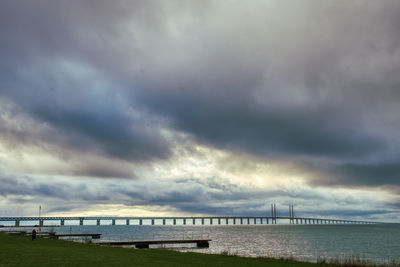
(131, 107)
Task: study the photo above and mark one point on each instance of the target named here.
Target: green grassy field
(21, 251)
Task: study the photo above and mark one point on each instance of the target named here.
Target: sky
(179, 107)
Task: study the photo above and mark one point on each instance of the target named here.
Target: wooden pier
(200, 243)
(57, 236)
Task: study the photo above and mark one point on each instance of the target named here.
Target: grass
(21, 251)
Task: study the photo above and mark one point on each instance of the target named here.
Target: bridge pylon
(273, 214)
(291, 214)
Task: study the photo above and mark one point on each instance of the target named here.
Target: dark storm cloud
(384, 174)
(15, 187)
(41, 43)
(312, 80)
(316, 132)
(112, 131)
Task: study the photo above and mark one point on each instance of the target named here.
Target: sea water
(377, 243)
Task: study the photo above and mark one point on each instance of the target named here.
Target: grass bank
(21, 251)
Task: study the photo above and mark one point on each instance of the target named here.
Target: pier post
(140, 221)
(152, 221)
(41, 222)
(184, 221)
(267, 220)
(113, 222)
(219, 220)
(211, 222)
(16, 222)
(234, 220)
(163, 221)
(174, 221)
(127, 221)
(202, 244)
(226, 221)
(81, 221)
(297, 221)
(241, 220)
(98, 221)
(255, 220)
(194, 221)
(62, 222)
(202, 221)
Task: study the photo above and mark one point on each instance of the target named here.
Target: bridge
(180, 220)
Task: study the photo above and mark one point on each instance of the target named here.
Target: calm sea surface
(377, 243)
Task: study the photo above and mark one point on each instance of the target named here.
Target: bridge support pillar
(297, 221)
(140, 221)
(81, 221)
(194, 221)
(202, 221)
(113, 222)
(234, 220)
(241, 220)
(219, 220)
(127, 221)
(248, 220)
(255, 220)
(152, 221)
(41, 222)
(163, 221)
(174, 221)
(98, 222)
(226, 221)
(211, 221)
(184, 221)
(267, 220)
(17, 222)
(62, 222)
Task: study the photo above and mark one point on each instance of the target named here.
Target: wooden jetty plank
(201, 243)
(94, 236)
